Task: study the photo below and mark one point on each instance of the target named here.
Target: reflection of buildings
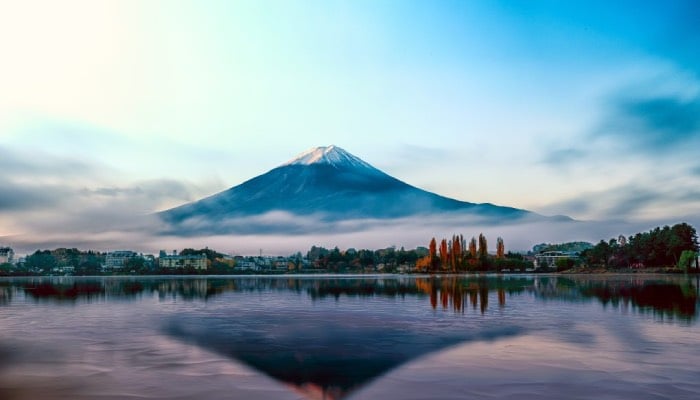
(676, 298)
(5, 295)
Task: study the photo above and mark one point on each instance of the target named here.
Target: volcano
(331, 185)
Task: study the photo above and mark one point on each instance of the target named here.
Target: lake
(351, 337)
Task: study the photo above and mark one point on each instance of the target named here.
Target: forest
(675, 246)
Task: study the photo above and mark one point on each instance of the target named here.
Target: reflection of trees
(450, 292)
(5, 293)
(319, 289)
(672, 298)
(70, 289)
(65, 291)
(453, 292)
(669, 297)
(662, 298)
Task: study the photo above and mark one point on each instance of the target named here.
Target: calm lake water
(381, 337)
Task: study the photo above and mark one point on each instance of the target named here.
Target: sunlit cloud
(146, 112)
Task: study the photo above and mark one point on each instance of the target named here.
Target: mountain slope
(332, 185)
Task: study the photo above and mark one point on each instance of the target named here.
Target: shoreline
(580, 271)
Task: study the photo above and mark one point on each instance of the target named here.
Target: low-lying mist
(280, 233)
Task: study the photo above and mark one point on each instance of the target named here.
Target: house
(175, 261)
(117, 259)
(7, 255)
(549, 258)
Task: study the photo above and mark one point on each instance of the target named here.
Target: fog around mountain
(331, 189)
(325, 196)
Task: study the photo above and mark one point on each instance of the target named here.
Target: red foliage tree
(444, 257)
(500, 248)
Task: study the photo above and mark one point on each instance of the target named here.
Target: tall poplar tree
(456, 252)
(483, 246)
(443, 253)
(472, 247)
(433, 253)
(500, 248)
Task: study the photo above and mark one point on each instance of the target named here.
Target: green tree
(135, 264)
(5, 269)
(91, 266)
(41, 260)
(687, 260)
(564, 264)
(599, 254)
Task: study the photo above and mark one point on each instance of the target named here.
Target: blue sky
(115, 109)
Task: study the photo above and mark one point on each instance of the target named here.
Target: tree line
(456, 255)
(86, 263)
(675, 246)
(351, 259)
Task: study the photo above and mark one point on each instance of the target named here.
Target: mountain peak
(331, 155)
(325, 183)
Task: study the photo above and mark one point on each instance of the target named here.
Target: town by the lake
(668, 249)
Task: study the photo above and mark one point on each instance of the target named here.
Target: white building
(175, 261)
(117, 259)
(245, 263)
(549, 258)
(7, 255)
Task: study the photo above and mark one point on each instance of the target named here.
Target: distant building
(7, 255)
(149, 261)
(246, 263)
(175, 261)
(549, 258)
(280, 263)
(117, 259)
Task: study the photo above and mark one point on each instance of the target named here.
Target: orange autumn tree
(423, 263)
(433, 253)
(456, 252)
(472, 247)
(500, 248)
(483, 246)
(444, 257)
(427, 263)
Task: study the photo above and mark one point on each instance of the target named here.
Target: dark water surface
(380, 337)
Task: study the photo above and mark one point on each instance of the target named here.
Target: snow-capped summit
(332, 155)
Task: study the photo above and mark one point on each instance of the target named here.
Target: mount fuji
(326, 183)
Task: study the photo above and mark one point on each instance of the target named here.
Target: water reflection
(5, 293)
(328, 336)
(666, 296)
(453, 292)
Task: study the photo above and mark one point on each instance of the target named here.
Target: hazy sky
(110, 110)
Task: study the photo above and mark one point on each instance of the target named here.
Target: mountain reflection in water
(328, 336)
